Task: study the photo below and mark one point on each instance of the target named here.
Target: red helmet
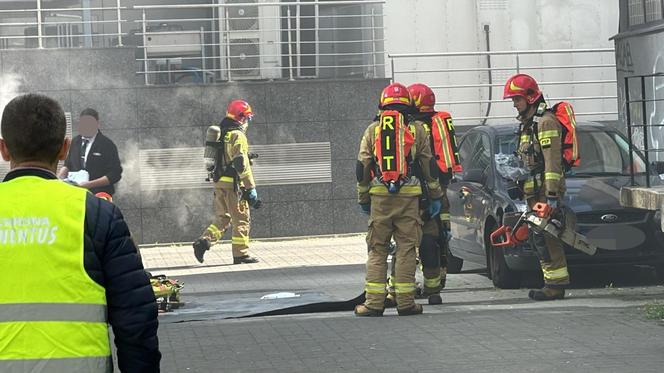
(238, 110)
(522, 85)
(423, 97)
(395, 93)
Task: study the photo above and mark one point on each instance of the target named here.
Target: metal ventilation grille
(280, 164)
(242, 18)
(493, 4)
(245, 57)
(4, 166)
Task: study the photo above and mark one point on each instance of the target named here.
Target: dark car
(481, 195)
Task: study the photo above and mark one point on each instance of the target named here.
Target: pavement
(600, 326)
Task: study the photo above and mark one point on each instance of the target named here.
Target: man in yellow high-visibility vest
(68, 264)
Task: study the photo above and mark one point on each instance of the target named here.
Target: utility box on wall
(251, 40)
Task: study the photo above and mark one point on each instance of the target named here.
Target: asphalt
(600, 326)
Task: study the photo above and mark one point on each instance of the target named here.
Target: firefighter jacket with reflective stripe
(50, 308)
(420, 152)
(540, 148)
(235, 164)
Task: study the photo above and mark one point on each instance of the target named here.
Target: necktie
(84, 147)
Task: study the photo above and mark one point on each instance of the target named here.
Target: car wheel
(454, 264)
(501, 275)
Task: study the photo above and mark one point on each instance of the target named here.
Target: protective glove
(252, 196)
(366, 208)
(434, 207)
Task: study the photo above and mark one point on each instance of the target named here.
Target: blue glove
(366, 208)
(553, 202)
(252, 195)
(434, 207)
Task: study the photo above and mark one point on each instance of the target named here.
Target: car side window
(475, 152)
(466, 149)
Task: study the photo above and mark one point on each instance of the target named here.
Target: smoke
(10, 85)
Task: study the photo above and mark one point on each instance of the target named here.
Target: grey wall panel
(170, 106)
(39, 70)
(103, 68)
(301, 218)
(139, 118)
(117, 108)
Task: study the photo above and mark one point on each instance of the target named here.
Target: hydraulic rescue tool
(167, 292)
(541, 219)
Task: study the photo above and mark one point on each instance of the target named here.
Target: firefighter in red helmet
(228, 164)
(393, 152)
(441, 135)
(540, 149)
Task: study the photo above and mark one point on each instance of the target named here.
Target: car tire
(502, 276)
(454, 264)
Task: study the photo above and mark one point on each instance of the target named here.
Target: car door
(471, 195)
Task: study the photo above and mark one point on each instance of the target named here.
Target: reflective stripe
(405, 287)
(442, 133)
(226, 179)
(240, 240)
(16, 312)
(375, 288)
(547, 134)
(445, 216)
(552, 176)
(414, 190)
(555, 274)
(63, 365)
(432, 282)
(525, 138)
(215, 232)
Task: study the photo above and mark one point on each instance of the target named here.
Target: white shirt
(88, 147)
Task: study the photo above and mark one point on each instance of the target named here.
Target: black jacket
(103, 160)
(112, 260)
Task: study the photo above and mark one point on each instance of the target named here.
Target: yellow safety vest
(52, 314)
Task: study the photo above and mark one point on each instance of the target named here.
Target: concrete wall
(139, 117)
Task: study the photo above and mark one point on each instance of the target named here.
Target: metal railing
(262, 40)
(46, 28)
(491, 78)
(203, 43)
(642, 124)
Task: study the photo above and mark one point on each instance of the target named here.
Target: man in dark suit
(95, 153)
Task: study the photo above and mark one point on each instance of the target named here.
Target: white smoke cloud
(10, 85)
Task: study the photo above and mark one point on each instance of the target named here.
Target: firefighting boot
(416, 309)
(246, 259)
(390, 300)
(363, 311)
(547, 293)
(435, 299)
(201, 245)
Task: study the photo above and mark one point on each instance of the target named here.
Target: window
(475, 153)
(653, 10)
(605, 153)
(636, 12)
(644, 11)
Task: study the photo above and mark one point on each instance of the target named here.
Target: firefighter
(392, 155)
(540, 149)
(436, 230)
(234, 187)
